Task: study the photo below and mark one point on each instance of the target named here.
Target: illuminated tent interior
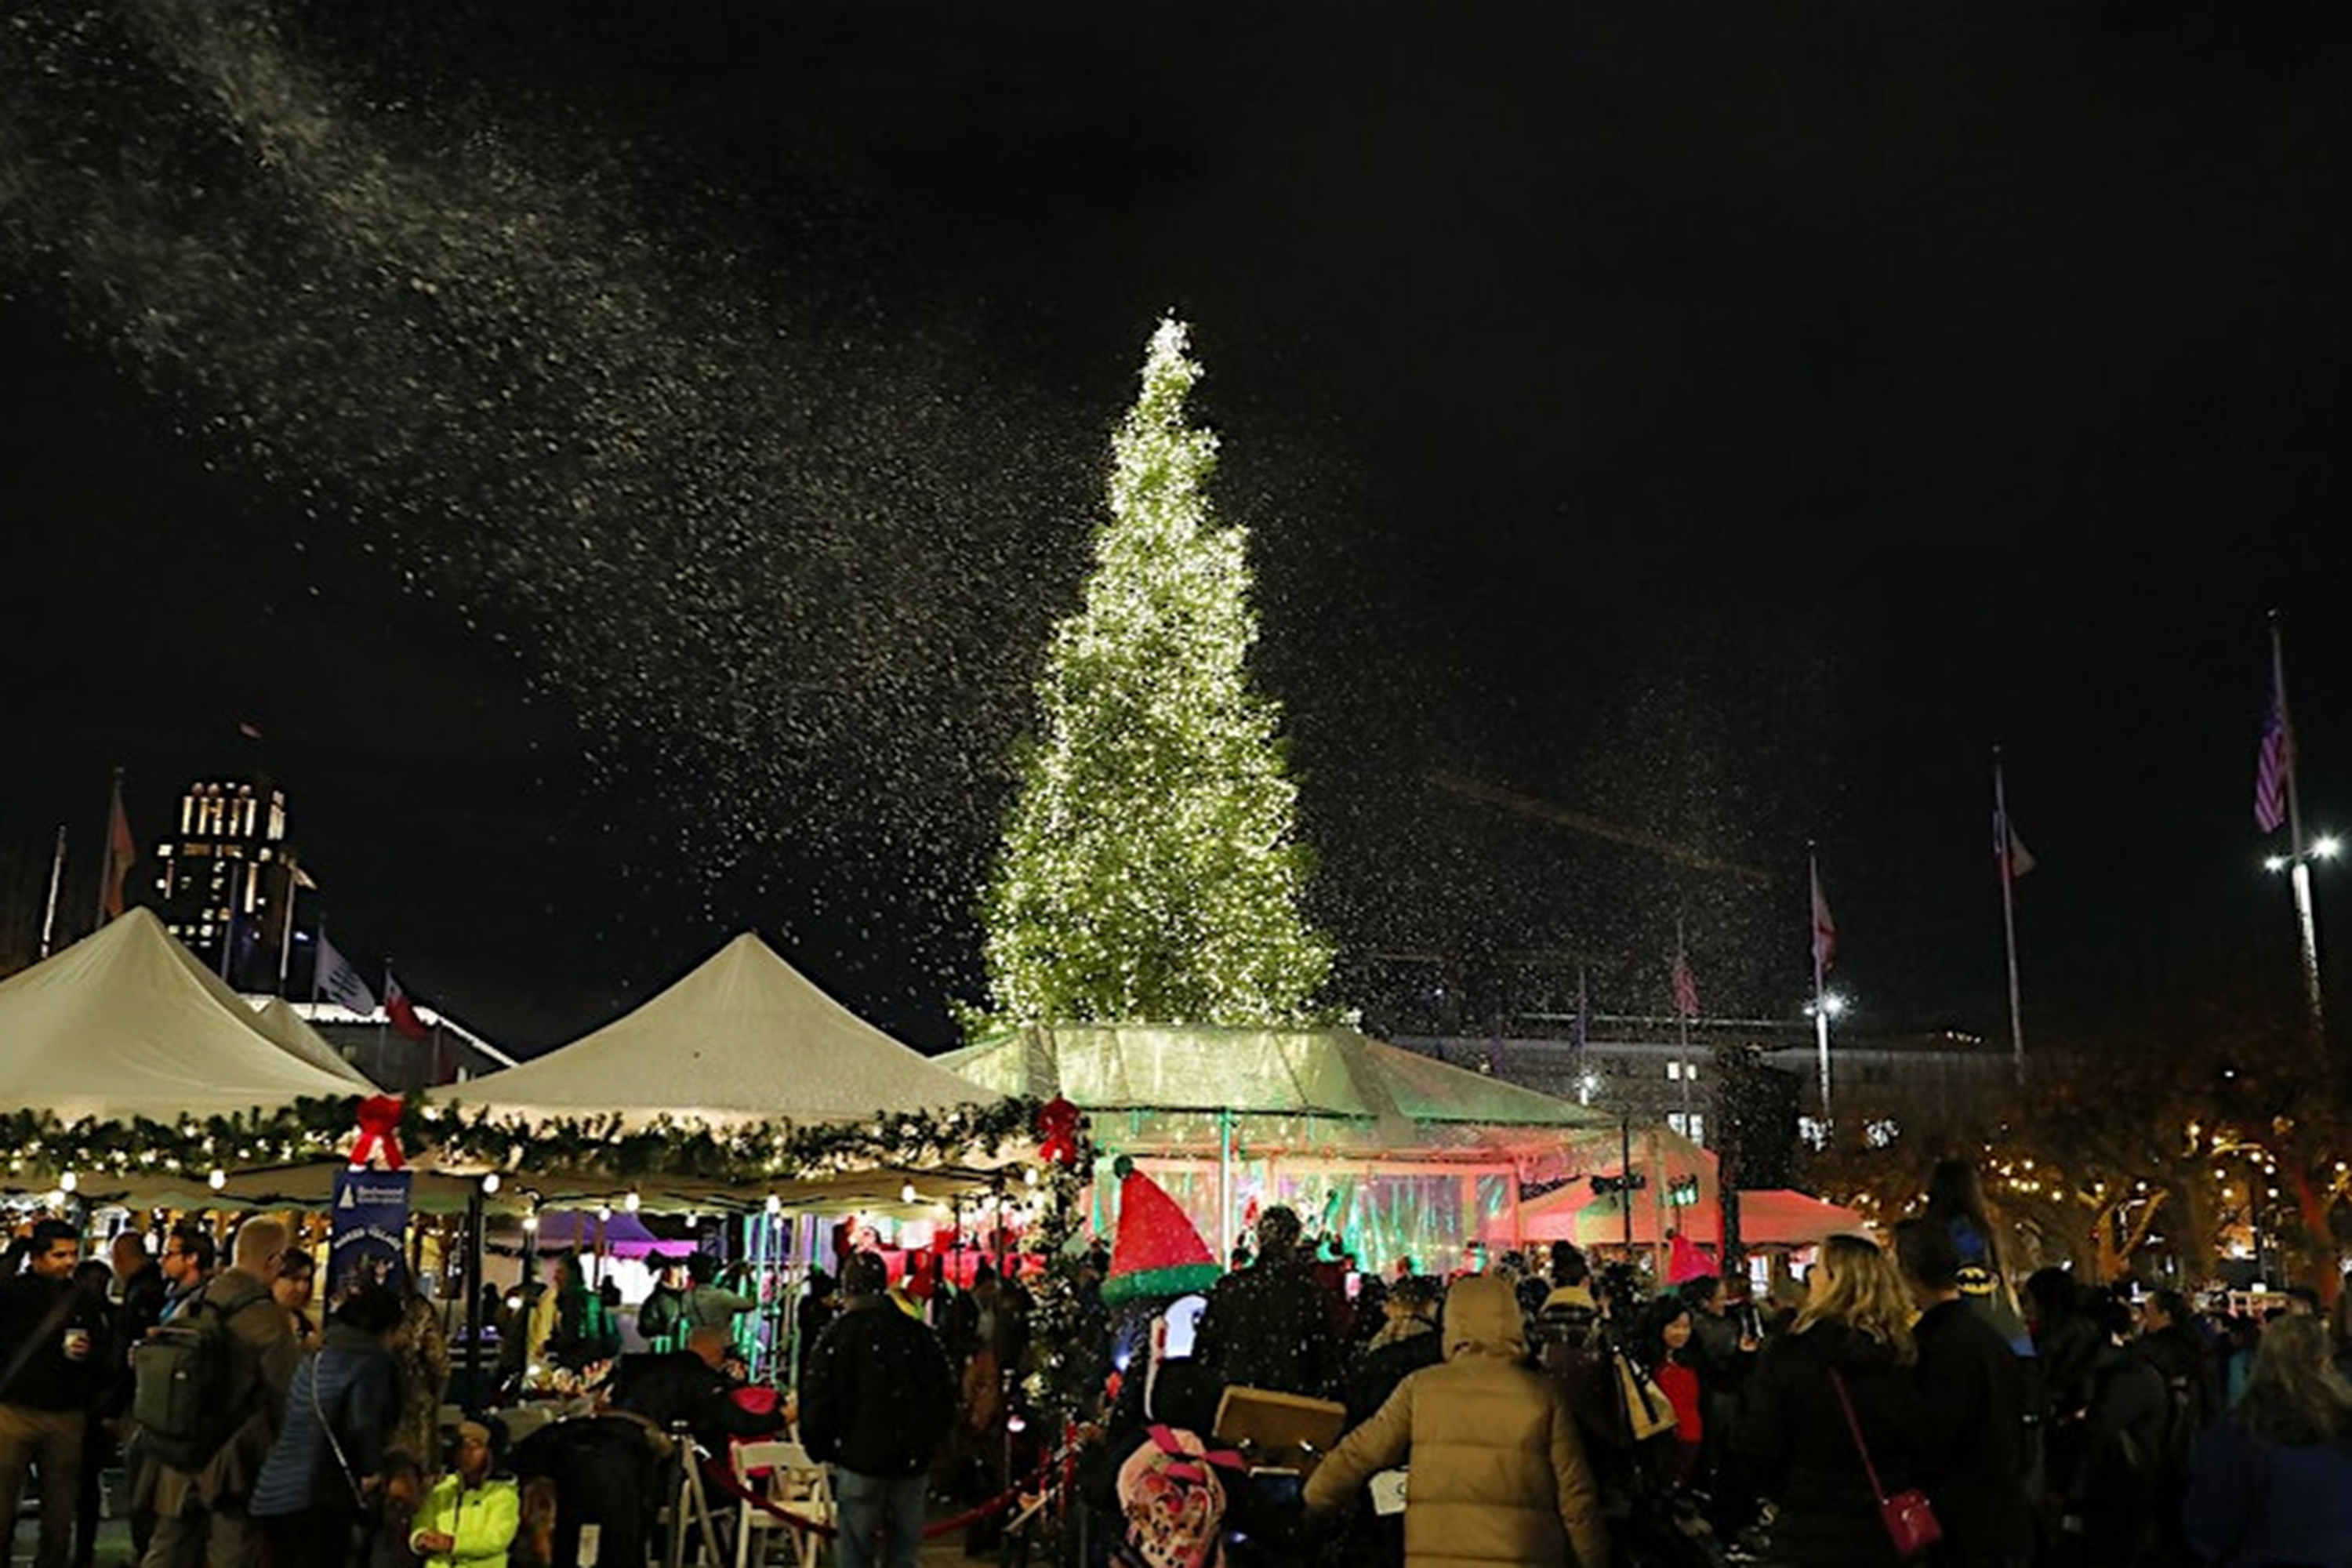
(1394, 1154)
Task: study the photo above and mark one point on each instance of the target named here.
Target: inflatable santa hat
(1158, 1252)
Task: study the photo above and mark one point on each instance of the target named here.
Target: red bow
(379, 1116)
(1058, 1132)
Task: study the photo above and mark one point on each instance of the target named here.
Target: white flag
(339, 982)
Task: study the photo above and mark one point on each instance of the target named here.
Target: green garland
(43, 1147)
(1061, 1378)
(780, 1150)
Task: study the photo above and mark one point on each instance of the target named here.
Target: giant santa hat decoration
(1158, 1252)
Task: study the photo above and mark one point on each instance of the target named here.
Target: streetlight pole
(2297, 860)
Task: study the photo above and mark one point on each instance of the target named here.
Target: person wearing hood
(1855, 1331)
(1498, 1473)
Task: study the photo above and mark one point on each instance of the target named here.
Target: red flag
(121, 849)
(2010, 855)
(1825, 927)
(402, 1011)
(1686, 989)
(2271, 766)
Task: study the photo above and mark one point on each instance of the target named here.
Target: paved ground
(114, 1547)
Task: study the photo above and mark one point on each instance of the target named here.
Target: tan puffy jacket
(1498, 1473)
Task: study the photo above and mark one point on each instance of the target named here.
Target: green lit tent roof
(1345, 1088)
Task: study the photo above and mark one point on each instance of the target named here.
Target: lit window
(1674, 1072)
(1693, 1126)
(1882, 1132)
(1813, 1130)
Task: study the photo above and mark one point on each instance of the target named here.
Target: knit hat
(1159, 1251)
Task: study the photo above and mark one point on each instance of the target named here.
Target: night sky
(626, 461)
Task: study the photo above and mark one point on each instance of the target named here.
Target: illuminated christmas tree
(1150, 871)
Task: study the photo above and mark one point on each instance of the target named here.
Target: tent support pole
(1625, 1176)
(1227, 1228)
(474, 1295)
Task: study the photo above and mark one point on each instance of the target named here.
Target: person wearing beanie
(1407, 1341)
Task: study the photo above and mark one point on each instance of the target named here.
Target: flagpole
(286, 934)
(315, 965)
(1682, 1024)
(2298, 861)
(2004, 850)
(105, 859)
(1820, 1007)
(57, 880)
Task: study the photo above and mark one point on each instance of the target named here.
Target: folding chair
(793, 1482)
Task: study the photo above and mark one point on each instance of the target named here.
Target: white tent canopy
(276, 1018)
(126, 1023)
(744, 1037)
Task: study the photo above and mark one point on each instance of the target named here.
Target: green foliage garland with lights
(768, 1150)
(1150, 871)
(42, 1148)
(40, 1145)
(1058, 1383)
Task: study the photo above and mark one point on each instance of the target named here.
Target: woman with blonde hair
(1851, 1344)
(2271, 1481)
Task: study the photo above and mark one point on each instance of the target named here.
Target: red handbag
(1910, 1521)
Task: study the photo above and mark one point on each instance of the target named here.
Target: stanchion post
(474, 1294)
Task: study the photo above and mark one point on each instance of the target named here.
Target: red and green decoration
(41, 1146)
(1060, 1381)
(1159, 1251)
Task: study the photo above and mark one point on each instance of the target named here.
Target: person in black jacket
(2111, 1497)
(689, 1387)
(97, 1443)
(54, 1339)
(1269, 1325)
(878, 1404)
(1408, 1342)
(1854, 1329)
(1975, 1394)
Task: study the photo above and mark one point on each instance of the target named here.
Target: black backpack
(181, 1393)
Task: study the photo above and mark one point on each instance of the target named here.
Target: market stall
(1390, 1154)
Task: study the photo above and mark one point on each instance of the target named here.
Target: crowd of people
(1539, 1410)
(324, 1447)
(1558, 1414)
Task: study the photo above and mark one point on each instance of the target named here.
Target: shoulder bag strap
(327, 1425)
(1855, 1426)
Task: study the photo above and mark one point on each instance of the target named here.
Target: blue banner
(363, 1246)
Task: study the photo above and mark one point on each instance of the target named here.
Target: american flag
(1686, 989)
(2271, 766)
